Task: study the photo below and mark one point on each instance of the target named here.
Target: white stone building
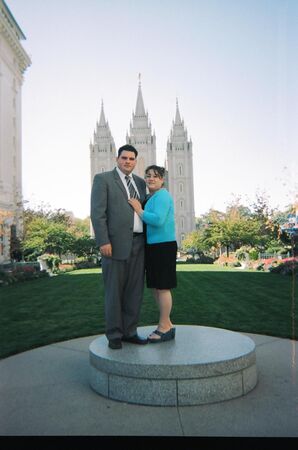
(102, 150)
(141, 136)
(178, 161)
(13, 63)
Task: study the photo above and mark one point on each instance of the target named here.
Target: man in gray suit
(119, 235)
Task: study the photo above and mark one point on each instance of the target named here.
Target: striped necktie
(133, 193)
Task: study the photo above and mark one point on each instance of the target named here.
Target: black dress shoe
(115, 344)
(135, 339)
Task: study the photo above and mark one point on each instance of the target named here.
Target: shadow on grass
(68, 306)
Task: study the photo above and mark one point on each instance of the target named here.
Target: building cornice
(12, 22)
(12, 34)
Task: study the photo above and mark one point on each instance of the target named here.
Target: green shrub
(63, 268)
(6, 278)
(52, 261)
(201, 259)
(287, 267)
(85, 265)
(242, 253)
(236, 264)
(260, 266)
(227, 261)
(253, 254)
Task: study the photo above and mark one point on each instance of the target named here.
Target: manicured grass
(43, 311)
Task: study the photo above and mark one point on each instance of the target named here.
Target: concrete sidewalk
(46, 392)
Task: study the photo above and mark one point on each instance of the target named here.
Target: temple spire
(140, 110)
(102, 120)
(177, 117)
(140, 135)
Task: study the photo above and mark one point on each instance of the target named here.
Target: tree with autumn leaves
(55, 232)
(257, 227)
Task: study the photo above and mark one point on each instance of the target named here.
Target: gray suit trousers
(124, 287)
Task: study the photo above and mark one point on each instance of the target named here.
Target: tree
(240, 227)
(55, 232)
(58, 239)
(194, 242)
(81, 227)
(35, 233)
(6, 220)
(84, 246)
(46, 230)
(263, 215)
(232, 229)
(288, 228)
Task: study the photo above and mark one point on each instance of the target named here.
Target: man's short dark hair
(127, 148)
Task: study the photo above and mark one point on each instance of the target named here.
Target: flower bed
(15, 272)
(287, 266)
(228, 261)
(66, 268)
(284, 266)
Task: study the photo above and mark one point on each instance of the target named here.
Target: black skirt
(160, 263)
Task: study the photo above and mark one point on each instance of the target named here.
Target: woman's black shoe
(163, 336)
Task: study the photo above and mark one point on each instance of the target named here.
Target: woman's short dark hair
(158, 171)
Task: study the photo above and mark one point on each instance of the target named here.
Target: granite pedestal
(201, 365)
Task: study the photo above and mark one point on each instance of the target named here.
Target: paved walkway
(46, 392)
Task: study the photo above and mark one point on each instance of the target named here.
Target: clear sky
(232, 64)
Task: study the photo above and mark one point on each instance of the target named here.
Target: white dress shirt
(138, 224)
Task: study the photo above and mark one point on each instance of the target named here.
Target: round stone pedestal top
(196, 351)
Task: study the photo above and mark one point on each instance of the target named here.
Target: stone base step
(201, 365)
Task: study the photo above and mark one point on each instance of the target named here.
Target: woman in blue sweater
(160, 250)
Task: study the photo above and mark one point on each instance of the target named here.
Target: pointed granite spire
(102, 120)
(177, 118)
(140, 110)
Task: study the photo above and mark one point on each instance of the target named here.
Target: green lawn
(43, 311)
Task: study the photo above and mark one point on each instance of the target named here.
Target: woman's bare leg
(163, 298)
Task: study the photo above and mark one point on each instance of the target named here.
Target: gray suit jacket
(111, 214)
